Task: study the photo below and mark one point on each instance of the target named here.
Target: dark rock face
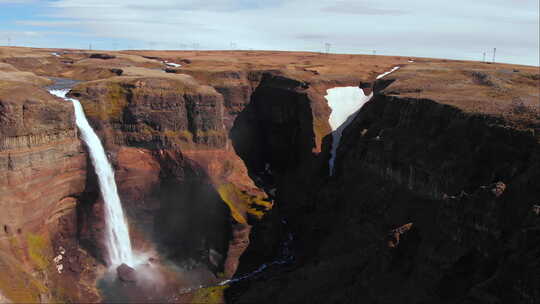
(274, 136)
(102, 56)
(434, 149)
(118, 72)
(274, 128)
(192, 221)
(456, 191)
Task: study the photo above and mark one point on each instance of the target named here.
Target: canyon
(222, 161)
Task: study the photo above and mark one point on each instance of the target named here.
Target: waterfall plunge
(117, 234)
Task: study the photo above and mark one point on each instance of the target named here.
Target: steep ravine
(429, 204)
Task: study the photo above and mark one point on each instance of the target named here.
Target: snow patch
(391, 71)
(172, 64)
(55, 54)
(345, 102)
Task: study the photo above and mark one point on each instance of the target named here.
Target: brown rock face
(39, 150)
(173, 162)
(43, 168)
(155, 112)
(238, 245)
(395, 234)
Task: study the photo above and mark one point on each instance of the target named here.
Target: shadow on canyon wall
(428, 205)
(183, 215)
(192, 222)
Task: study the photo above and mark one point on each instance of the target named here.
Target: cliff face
(179, 179)
(431, 202)
(275, 126)
(433, 149)
(466, 187)
(43, 169)
(223, 162)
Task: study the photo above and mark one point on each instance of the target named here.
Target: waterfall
(117, 233)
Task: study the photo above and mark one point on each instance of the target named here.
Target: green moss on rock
(240, 202)
(210, 295)
(38, 250)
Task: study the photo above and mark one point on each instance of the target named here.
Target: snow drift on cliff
(345, 103)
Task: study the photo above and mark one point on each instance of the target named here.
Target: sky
(458, 29)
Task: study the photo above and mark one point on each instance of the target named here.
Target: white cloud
(457, 29)
(58, 23)
(356, 8)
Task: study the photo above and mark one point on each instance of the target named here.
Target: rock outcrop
(126, 274)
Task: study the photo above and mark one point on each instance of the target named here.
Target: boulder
(498, 189)
(126, 273)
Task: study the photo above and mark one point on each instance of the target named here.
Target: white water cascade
(345, 103)
(117, 233)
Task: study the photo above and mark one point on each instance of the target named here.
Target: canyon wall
(181, 183)
(430, 203)
(434, 197)
(43, 168)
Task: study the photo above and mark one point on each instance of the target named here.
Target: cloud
(168, 5)
(209, 5)
(316, 37)
(19, 34)
(16, 1)
(458, 29)
(347, 7)
(54, 23)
